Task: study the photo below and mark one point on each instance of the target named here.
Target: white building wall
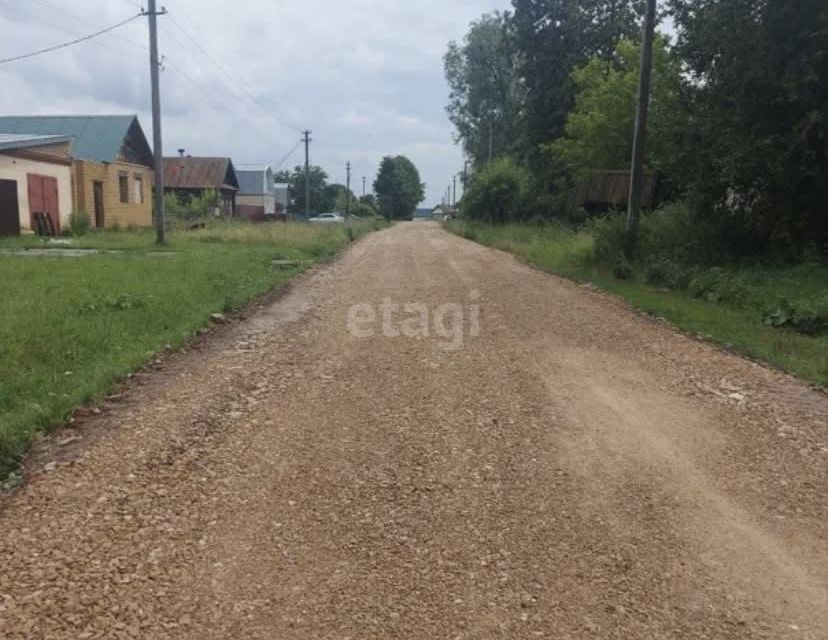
(12, 168)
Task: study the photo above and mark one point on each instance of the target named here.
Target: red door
(43, 198)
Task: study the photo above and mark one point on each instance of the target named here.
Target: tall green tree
(322, 198)
(758, 77)
(551, 38)
(398, 188)
(599, 129)
(486, 92)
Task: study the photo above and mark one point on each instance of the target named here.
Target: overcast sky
(244, 78)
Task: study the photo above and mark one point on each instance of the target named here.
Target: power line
(290, 153)
(32, 54)
(230, 76)
(82, 20)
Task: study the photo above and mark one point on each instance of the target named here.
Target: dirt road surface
(575, 470)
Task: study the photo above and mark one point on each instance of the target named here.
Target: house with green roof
(112, 164)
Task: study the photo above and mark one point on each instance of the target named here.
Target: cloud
(243, 79)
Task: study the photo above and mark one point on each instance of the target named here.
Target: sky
(243, 79)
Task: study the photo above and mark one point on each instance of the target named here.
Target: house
(187, 176)
(255, 200)
(442, 212)
(112, 164)
(35, 183)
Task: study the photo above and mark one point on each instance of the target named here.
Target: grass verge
(73, 326)
(731, 315)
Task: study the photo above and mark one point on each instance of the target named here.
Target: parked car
(327, 217)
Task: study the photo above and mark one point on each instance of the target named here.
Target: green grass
(736, 320)
(73, 326)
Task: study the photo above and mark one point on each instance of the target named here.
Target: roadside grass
(733, 319)
(73, 326)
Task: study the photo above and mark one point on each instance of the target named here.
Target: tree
(551, 38)
(496, 193)
(398, 188)
(758, 80)
(599, 129)
(486, 93)
(322, 199)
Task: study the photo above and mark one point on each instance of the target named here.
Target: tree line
(397, 191)
(544, 95)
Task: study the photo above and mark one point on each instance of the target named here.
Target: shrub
(497, 192)
(79, 223)
(808, 317)
(609, 234)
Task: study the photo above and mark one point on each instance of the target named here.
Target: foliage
(74, 327)
(398, 188)
(551, 38)
(758, 81)
(599, 129)
(322, 195)
(79, 223)
(497, 192)
(190, 208)
(486, 93)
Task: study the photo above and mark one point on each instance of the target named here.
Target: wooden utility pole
(363, 186)
(454, 190)
(641, 112)
(307, 140)
(157, 148)
(348, 190)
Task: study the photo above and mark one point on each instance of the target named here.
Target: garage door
(43, 199)
(9, 210)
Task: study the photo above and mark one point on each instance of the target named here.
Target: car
(327, 217)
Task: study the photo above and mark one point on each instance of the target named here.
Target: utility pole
(641, 112)
(348, 190)
(363, 186)
(454, 189)
(465, 176)
(307, 140)
(157, 148)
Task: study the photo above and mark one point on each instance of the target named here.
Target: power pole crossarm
(158, 151)
(641, 112)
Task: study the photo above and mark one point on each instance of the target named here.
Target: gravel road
(563, 468)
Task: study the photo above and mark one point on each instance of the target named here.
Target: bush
(497, 193)
(79, 223)
(609, 234)
(808, 317)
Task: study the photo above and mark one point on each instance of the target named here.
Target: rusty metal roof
(200, 173)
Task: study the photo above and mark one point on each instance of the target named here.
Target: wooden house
(187, 177)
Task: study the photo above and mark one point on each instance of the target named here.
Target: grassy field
(73, 326)
(731, 311)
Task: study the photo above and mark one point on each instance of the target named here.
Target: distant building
(187, 177)
(112, 164)
(255, 199)
(35, 183)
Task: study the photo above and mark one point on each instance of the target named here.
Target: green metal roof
(97, 138)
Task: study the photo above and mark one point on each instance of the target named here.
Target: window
(123, 188)
(139, 188)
